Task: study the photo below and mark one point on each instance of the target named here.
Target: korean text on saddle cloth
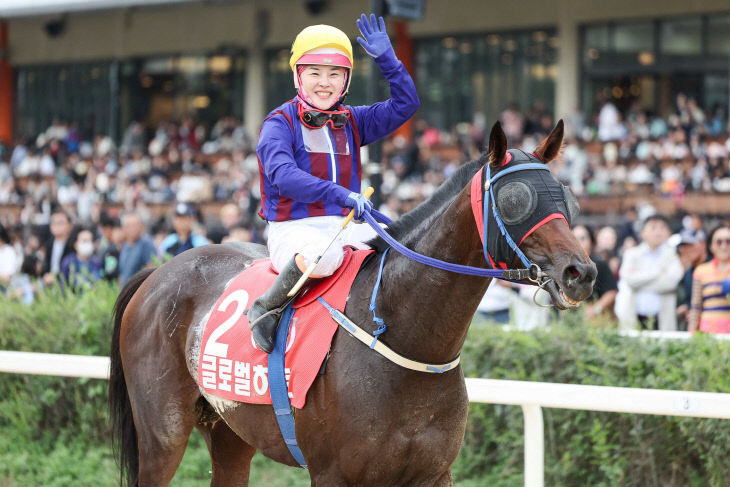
(230, 364)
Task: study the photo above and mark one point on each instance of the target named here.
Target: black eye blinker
(516, 201)
(571, 204)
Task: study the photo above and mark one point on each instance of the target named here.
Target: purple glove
(359, 203)
(374, 38)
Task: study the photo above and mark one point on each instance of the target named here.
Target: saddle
(230, 364)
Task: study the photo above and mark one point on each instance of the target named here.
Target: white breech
(310, 236)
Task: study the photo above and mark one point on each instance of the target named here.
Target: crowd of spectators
(637, 151)
(652, 275)
(612, 154)
(172, 163)
(87, 205)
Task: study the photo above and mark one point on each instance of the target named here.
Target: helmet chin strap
(345, 89)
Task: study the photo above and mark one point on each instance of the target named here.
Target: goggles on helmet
(315, 119)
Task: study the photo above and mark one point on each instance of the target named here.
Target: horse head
(536, 212)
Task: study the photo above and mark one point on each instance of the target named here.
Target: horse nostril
(579, 273)
(571, 276)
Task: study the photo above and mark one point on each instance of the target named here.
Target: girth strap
(278, 389)
(383, 349)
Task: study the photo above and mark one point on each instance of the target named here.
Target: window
(597, 37)
(459, 76)
(719, 34)
(207, 87)
(634, 37)
(650, 61)
(74, 93)
(682, 36)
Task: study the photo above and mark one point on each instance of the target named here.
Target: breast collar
(501, 241)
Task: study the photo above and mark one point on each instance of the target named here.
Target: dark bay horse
(367, 422)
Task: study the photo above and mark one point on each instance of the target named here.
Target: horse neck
(428, 310)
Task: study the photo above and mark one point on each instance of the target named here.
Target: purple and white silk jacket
(310, 172)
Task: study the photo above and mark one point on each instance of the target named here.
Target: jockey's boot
(263, 328)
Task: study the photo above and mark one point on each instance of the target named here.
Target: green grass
(195, 471)
(73, 462)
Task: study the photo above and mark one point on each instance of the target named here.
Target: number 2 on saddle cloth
(230, 364)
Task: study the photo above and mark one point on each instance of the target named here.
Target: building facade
(106, 68)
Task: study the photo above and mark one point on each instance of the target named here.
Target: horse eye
(571, 204)
(516, 201)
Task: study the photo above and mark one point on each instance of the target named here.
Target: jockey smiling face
(323, 85)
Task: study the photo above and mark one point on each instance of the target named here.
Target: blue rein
(531, 272)
(511, 274)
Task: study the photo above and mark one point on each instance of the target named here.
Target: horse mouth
(560, 299)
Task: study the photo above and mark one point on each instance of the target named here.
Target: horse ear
(551, 146)
(497, 145)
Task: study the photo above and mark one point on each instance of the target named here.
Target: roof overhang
(30, 8)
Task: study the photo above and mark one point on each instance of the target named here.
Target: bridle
(488, 199)
(488, 181)
(482, 198)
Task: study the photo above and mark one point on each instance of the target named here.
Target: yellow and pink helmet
(322, 45)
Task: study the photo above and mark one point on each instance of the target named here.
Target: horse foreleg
(230, 455)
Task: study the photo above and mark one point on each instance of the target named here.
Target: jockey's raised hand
(374, 38)
(359, 203)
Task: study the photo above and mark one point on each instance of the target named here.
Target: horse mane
(445, 193)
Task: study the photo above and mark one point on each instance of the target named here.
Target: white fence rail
(531, 396)
(666, 335)
(54, 364)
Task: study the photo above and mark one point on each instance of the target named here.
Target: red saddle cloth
(232, 367)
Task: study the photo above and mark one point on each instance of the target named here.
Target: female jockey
(309, 158)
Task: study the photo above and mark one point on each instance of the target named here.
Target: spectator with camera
(112, 238)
